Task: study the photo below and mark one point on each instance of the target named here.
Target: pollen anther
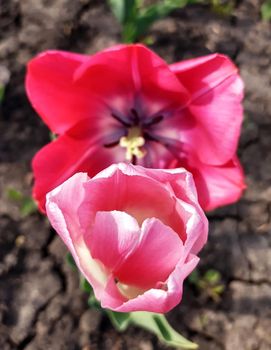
(133, 143)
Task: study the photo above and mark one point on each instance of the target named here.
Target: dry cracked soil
(41, 306)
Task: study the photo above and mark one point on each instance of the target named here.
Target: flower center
(133, 143)
(135, 131)
(129, 292)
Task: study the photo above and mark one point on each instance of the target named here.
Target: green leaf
(218, 289)
(93, 302)
(154, 12)
(221, 8)
(28, 206)
(85, 286)
(70, 261)
(194, 277)
(136, 19)
(158, 324)
(2, 93)
(120, 320)
(129, 33)
(212, 276)
(155, 323)
(124, 10)
(266, 10)
(14, 195)
(148, 40)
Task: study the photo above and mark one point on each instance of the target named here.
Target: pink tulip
(127, 104)
(133, 232)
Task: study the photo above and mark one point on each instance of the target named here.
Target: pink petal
(131, 190)
(72, 191)
(131, 193)
(154, 258)
(64, 220)
(180, 183)
(177, 178)
(144, 268)
(153, 300)
(50, 86)
(112, 237)
(111, 297)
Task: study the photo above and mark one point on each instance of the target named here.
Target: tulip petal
(154, 258)
(199, 75)
(153, 300)
(126, 195)
(59, 198)
(215, 111)
(146, 83)
(64, 220)
(69, 154)
(218, 114)
(50, 86)
(179, 183)
(219, 185)
(144, 268)
(112, 238)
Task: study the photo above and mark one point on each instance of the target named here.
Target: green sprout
(71, 262)
(210, 283)
(223, 8)
(26, 204)
(266, 10)
(136, 18)
(2, 93)
(4, 80)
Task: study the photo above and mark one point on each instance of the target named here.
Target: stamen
(154, 120)
(174, 146)
(133, 143)
(135, 116)
(121, 120)
(111, 144)
(112, 139)
(150, 137)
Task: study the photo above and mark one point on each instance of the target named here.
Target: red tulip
(126, 103)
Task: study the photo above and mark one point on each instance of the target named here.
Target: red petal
(215, 113)
(53, 93)
(132, 72)
(218, 185)
(80, 150)
(199, 75)
(218, 116)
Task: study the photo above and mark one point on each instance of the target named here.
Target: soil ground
(41, 306)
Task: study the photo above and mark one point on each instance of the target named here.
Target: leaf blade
(120, 320)
(158, 324)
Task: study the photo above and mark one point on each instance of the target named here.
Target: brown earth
(41, 306)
